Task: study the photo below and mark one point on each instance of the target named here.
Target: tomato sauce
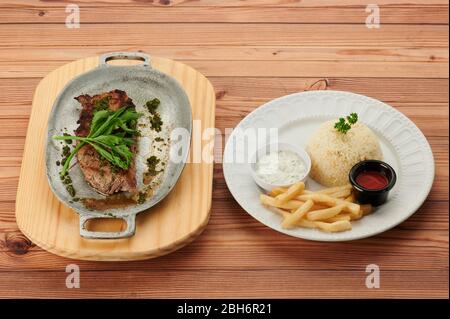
(372, 180)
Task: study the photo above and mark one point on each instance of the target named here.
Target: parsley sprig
(110, 135)
(343, 125)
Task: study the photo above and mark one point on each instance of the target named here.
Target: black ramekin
(370, 196)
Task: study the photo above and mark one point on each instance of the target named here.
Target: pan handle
(145, 58)
(128, 232)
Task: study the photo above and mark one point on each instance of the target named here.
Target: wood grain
(355, 14)
(245, 284)
(233, 53)
(278, 69)
(226, 34)
(252, 52)
(55, 227)
(209, 3)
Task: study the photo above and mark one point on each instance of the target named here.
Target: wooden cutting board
(173, 223)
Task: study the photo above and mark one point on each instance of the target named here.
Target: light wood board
(166, 227)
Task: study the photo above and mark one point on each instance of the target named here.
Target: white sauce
(280, 168)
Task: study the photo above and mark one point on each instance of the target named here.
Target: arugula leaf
(98, 119)
(109, 124)
(110, 135)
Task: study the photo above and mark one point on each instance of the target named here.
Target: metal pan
(142, 83)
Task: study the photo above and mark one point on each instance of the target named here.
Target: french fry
(341, 194)
(319, 207)
(271, 201)
(306, 223)
(291, 193)
(338, 218)
(356, 217)
(334, 227)
(351, 198)
(279, 211)
(331, 209)
(340, 191)
(277, 191)
(325, 214)
(349, 207)
(290, 220)
(336, 189)
(315, 207)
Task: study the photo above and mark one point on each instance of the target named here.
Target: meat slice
(98, 172)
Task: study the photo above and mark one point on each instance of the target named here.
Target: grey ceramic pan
(142, 83)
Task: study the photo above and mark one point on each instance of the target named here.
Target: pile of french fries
(330, 209)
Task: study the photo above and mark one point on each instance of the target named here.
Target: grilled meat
(99, 173)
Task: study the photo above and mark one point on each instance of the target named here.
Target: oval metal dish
(142, 83)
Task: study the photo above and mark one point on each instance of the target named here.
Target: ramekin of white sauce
(280, 165)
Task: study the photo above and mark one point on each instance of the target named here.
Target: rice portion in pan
(333, 153)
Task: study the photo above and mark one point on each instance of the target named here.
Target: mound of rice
(333, 154)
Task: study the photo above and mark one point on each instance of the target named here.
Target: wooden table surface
(252, 51)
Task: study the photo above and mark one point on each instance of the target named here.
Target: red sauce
(372, 180)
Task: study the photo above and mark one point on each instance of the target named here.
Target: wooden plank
(242, 53)
(321, 69)
(225, 283)
(385, 89)
(188, 34)
(8, 182)
(20, 255)
(11, 150)
(13, 127)
(398, 14)
(280, 69)
(203, 3)
(15, 102)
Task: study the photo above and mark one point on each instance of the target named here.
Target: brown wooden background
(252, 51)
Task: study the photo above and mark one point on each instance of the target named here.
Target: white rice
(333, 153)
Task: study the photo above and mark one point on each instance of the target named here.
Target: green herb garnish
(67, 141)
(141, 198)
(345, 124)
(152, 105)
(156, 122)
(71, 190)
(155, 118)
(152, 162)
(110, 135)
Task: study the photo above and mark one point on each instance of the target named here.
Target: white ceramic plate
(296, 116)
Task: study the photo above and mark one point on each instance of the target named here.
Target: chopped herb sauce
(102, 104)
(156, 122)
(152, 105)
